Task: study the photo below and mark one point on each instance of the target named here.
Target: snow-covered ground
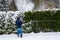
(33, 36)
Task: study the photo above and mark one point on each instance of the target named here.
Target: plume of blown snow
(24, 5)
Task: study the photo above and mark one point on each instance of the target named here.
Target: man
(19, 27)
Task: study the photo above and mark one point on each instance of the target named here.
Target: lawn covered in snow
(33, 36)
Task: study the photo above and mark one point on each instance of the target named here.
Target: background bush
(47, 20)
(36, 21)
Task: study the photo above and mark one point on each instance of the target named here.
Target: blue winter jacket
(18, 23)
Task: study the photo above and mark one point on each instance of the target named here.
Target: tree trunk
(13, 6)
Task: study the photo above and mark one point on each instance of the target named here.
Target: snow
(32, 36)
(24, 5)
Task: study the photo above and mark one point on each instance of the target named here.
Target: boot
(21, 36)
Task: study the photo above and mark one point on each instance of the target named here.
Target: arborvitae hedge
(47, 26)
